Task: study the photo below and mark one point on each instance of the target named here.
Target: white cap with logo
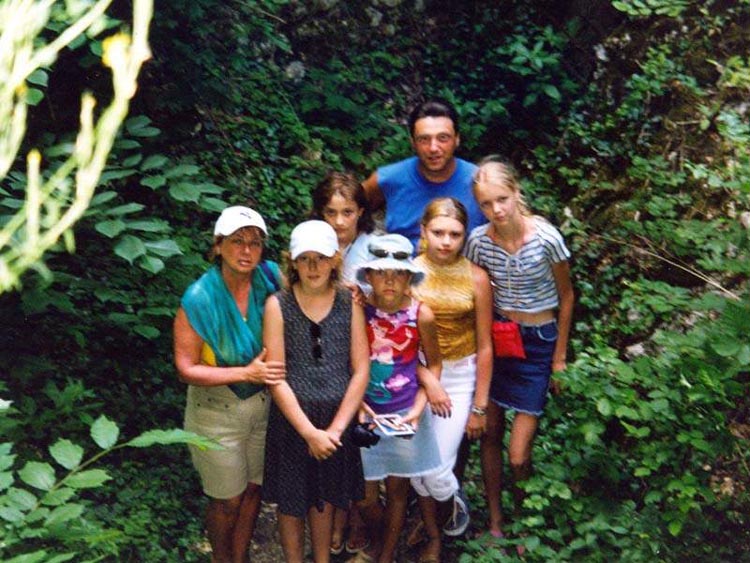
(238, 217)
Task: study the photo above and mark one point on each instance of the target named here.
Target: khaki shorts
(239, 426)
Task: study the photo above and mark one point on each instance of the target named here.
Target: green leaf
(184, 191)
(137, 122)
(125, 209)
(149, 226)
(38, 475)
(132, 160)
(6, 480)
(182, 170)
(675, 527)
(105, 432)
(40, 77)
(110, 228)
(33, 557)
(146, 331)
(154, 161)
(213, 204)
(66, 453)
(88, 479)
(102, 198)
(164, 248)
(64, 513)
(58, 496)
(552, 92)
(108, 175)
(604, 406)
(22, 499)
(174, 436)
(146, 132)
(34, 96)
(154, 182)
(11, 514)
(153, 265)
(130, 248)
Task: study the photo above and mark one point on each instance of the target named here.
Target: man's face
(435, 140)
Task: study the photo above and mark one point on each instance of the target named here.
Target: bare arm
(434, 363)
(476, 425)
(374, 195)
(187, 358)
(360, 360)
(561, 271)
(319, 443)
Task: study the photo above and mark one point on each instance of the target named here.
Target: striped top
(522, 281)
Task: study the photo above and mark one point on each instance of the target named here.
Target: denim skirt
(522, 385)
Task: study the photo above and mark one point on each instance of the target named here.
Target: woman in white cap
(219, 353)
(312, 465)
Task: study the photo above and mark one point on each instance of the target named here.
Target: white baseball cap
(313, 236)
(238, 217)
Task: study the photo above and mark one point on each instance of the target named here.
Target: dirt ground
(266, 548)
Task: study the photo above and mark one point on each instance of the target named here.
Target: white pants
(459, 379)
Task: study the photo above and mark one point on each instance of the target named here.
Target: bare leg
(522, 433)
(396, 491)
(357, 530)
(373, 515)
(245, 525)
(428, 506)
(292, 534)
(221, 516)
(340, 517)
(462, 458)
(321, 526)
(491, 450)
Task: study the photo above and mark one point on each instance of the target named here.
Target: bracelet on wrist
(479, 411)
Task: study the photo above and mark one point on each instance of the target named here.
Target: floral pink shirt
(394, 347)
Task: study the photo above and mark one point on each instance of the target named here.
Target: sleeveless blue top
(407, 193)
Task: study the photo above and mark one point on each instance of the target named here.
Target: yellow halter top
(449, 292)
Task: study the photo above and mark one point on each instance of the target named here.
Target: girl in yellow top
(460, 295)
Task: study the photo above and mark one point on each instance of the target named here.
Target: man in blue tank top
(407, 186)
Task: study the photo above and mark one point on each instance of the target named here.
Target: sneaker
(459, 520)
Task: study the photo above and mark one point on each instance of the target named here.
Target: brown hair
(495, 171)
(347, 186)
(292, 275)
(215, 257)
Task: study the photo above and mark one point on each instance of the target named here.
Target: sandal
(337, 549)
(425, 557)
(417, 535)
(353, 548)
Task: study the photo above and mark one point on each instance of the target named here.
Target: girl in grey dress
(311, 464)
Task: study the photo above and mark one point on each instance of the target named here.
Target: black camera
(363, 436)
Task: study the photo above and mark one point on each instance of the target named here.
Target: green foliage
(45, 516)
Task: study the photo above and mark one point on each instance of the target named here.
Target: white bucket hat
(313, 236)
(391, 252)
(238, 217)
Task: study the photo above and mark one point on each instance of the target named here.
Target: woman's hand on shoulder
(265, 372)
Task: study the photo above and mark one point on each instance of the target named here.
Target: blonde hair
(446, 207)
(494, 171)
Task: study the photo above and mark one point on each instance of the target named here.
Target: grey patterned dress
(319, 376)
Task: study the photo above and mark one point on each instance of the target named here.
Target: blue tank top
(407, 192)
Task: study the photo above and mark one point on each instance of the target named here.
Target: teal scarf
(214, 315)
